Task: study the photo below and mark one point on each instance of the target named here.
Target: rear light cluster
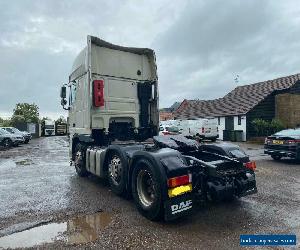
(203, 130)
(98, 93)
(166, 133)
(292, 141)
(179, 185)
(179, 180)
(250, 165)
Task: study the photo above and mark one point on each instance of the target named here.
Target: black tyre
(276, 157)
(79, 160)
(146, 190)
(7, 143)
(26, 141)
(116, 170)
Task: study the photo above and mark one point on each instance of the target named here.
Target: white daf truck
(49, 127)
(113, 125)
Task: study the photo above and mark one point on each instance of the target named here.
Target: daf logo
(182, 206)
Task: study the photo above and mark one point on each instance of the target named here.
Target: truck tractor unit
(114, 124)
(49, 128)
(61, 129)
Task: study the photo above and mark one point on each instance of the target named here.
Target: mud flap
(178, 206)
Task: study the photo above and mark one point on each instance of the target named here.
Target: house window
(239, 120)
(219, 121)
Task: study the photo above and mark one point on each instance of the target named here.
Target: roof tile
(237, 102)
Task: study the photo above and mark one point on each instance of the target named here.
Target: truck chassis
(165, 176)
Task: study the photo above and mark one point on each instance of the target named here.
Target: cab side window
(73, 89)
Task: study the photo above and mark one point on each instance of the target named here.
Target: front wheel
(276, 157)
(7, 143)
(79, 160)
(146, 190)
(117, 169)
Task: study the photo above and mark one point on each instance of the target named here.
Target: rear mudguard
(169, 163)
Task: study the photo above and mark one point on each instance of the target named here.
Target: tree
(15, 119)
(5, 122)
(44, 119)
(260, 126)
(61, 119)
(25, 112)
(275, 126)
(264, 128)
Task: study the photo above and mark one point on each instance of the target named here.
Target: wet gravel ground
(37, 186)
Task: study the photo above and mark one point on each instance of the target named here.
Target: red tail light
(250, 165)
(98, 93)
(166, 133)
(179, 181)
(203, 130)
(292, 141)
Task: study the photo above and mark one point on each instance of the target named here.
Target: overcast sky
(200, 45)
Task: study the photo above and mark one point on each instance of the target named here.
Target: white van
(203, 128)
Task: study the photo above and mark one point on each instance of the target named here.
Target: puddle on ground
(81, 229)
(7, 164)
(24, 162)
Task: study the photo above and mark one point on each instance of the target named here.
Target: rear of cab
(107, 87)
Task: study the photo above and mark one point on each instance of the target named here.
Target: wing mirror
(63, 92)
(63, 95)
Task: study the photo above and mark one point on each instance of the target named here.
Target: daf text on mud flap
(185, 205)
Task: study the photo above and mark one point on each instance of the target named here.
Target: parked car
(27, 136)
(230, 150)
(168, 130)
(8, 139)
(285, 143)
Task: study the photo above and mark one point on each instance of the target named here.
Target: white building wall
(243, 125)
(221, 127)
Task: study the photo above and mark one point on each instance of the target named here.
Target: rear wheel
(7, 143)
(26, 141)
(146, 190)
(276, 157)
(79, 160)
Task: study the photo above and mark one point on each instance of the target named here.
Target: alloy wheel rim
(145, 188)
(115, 169)
(78, 160)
